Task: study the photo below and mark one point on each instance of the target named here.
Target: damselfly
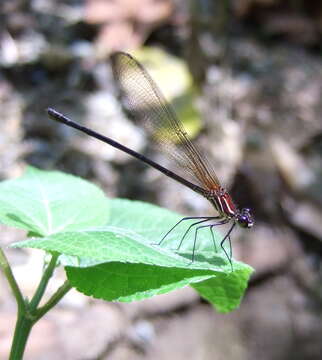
(145, 104)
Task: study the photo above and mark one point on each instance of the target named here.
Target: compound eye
(243, 221)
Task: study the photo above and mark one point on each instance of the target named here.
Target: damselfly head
(245, 219)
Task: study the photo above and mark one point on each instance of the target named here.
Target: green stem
(4, 265)
(60, 293)
(27, 311)
(22, 331)
(43, 283)
(28, 318)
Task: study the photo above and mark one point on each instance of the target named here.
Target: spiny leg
(213, 237)
(227, 236)
(185, 234)
(196, 232)
(179, 222)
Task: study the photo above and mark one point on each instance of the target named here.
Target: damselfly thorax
(226, 208)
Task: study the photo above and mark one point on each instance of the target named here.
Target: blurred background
(245, 78)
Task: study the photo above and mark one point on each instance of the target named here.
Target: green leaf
(44, 203)
(132, 282)
(225, 292)
(119, 261)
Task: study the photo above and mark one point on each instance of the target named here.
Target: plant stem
(43, 283)
(60, 293)
(22, 331)
(4, 265)
(27, 311)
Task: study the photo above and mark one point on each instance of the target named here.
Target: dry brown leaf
(124, 26)
(151, 11)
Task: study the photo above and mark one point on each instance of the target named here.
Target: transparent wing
(145, 104)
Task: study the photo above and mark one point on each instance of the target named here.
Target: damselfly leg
(189, 228)
(205, 218)
(227, 236)
(211, 226)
